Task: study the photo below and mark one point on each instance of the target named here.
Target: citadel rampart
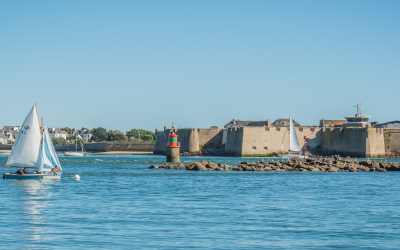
(191, 139)
(392, 139)
(357, 142)
(262, 140)
(266, 140)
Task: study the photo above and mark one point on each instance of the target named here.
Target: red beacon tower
(173, 146)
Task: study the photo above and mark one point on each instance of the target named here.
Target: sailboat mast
(76, 139)
(40, 126)
(290, 132)
(41, 129)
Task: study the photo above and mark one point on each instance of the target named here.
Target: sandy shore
(104, 153)
(122, 153)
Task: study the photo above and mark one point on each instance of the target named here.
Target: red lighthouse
(173, 146)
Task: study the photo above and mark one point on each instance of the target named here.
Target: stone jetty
(332, 164)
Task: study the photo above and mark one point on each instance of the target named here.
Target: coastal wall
(375, 143)
(234, 140)
(5, 146)
(260, 140)
(161, 142)
(210, 138)
(392, 139)
(142, 146)
(348, 141)
(191, 139)
(110, 146)
(357, 142)
(187, 137)
(267, 140)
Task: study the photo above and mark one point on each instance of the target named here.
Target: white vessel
(33, 149)
(76, 153)
(294, 146)
(73, 153)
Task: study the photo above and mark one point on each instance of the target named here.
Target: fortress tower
(358, 120)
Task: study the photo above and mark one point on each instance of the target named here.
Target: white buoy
(77, 177)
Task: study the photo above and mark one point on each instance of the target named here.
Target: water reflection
(34, 195)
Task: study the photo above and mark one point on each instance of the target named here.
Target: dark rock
(295, 164)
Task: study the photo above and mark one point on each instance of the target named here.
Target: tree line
(101, 134)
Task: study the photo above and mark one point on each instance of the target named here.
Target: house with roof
(392, 124)
(11, 128)
(239, 123)
(10, 137)
(281, 122)
(3, 138)
(86, 136)
(284, 122)
(331, 123)
(84, 133)
(57, 132)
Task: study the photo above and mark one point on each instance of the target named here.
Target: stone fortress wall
(256, 140)
(191, 139)
(392, 139)
(358, 142)
(266, 140)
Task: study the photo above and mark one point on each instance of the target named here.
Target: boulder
(196, 166)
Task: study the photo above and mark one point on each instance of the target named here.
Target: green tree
(145, 135)
(66, 129)
(72, 139)
(116, 136)
(99, 134)
(58, 141)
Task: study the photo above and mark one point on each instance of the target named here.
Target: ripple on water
(120, 203)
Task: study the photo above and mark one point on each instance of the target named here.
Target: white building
(9, 128)
(57, 132)
(86, 137)
(84, 133)
(3, 138)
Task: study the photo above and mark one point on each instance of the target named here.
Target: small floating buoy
(77, 177)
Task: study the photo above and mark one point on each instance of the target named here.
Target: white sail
(50, 158)
(26, 149)
(294, 145)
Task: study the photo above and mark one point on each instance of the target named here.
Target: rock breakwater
(334, 164)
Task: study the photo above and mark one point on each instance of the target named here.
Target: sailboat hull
(73, 154)
(291, 156)
(31, 176)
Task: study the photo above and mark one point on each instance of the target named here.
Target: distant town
(355, 136)
(66, 135)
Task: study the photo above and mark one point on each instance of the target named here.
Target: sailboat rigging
(33, 149)
(294, 146)
(76, 153)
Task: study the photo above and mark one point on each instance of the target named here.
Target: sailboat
(33, 149)
(294, 146)
(76, 153)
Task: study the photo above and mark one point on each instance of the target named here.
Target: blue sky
(130, 64)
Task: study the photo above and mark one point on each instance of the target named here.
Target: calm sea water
(118, 204)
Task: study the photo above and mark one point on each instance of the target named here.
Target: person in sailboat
(21, 171)
(55, 169)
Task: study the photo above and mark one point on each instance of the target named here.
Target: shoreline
(102, 153)
(117, 153)
(121, 153)
(333, 164)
